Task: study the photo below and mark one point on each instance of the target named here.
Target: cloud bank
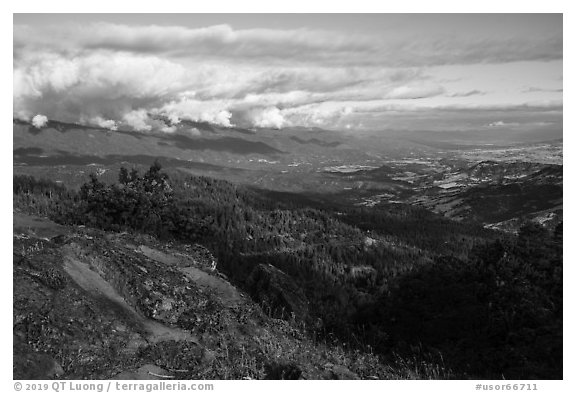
(126, 76)
(307, 45)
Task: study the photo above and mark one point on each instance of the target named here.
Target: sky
(436, 72)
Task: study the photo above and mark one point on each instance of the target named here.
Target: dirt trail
(225, 291)
(92, 282)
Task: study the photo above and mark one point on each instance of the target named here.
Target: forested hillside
(390, 280)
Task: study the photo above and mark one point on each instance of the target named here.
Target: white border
(260, 6)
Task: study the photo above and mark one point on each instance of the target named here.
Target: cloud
(415, 92)
(138, 120)
(129, 76)
(109, 89)
(173, 119)
(193, 131)
(500, 124)
(319, 115)
(541, 89)
(39, 121)
(298, 45)
(94, 86)
(101, 122)
(169, 129)
(535, 107)
(554, 106)
(213, 41)
(525, 117)
(267, 118)
(468, 93)
(213, 111)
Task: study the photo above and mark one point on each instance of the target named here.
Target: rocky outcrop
(99, 305)
(157, 291)
(277, 292)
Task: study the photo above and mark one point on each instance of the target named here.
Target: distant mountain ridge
(189, 142)
(493, 169)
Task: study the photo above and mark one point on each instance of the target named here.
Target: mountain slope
(491, 192)
(91, 304)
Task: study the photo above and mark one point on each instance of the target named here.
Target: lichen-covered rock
(156, 290)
